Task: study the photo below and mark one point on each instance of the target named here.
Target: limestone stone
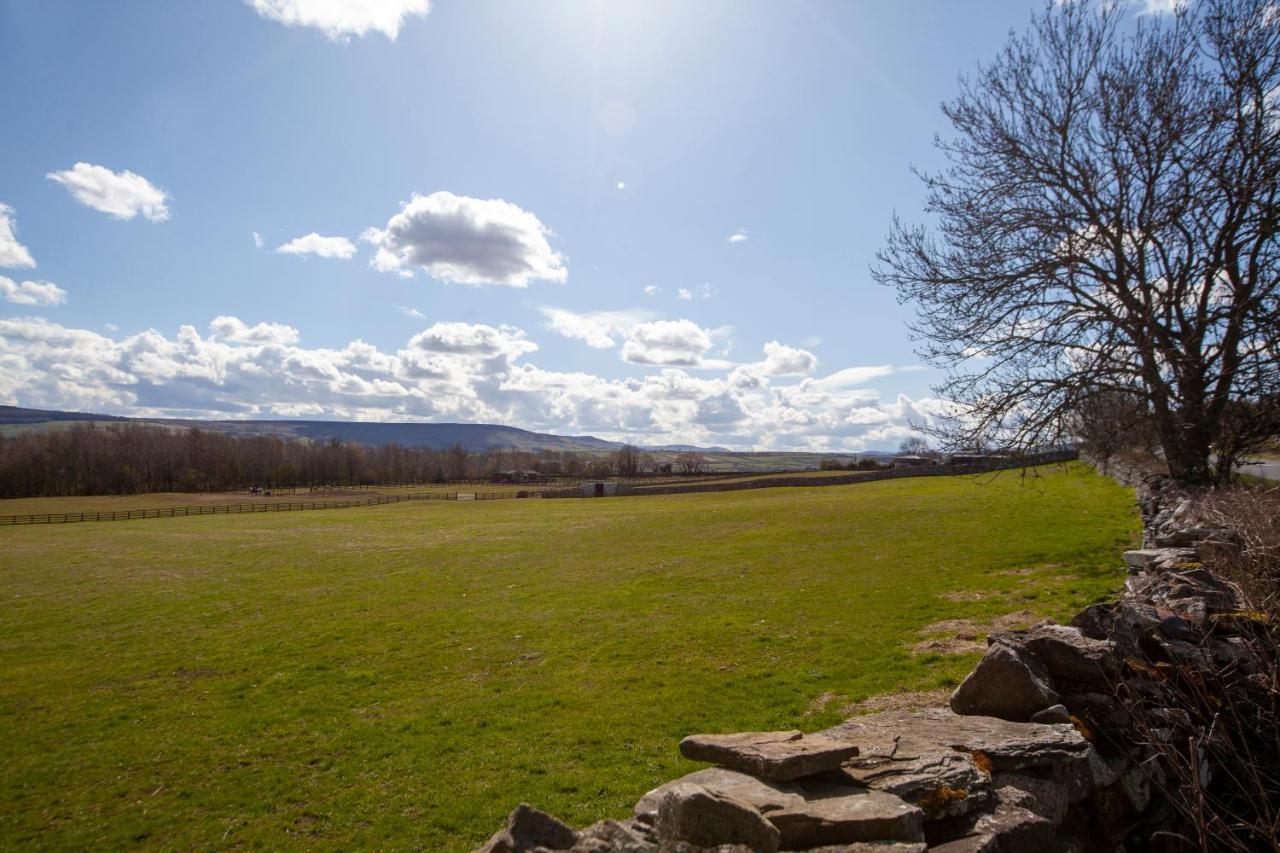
(1142, 558)
(530, 829)
(1017, 830)
(775, 756)
(1068, 654)
(1045, 797)
(940, 781)
(967, 844)
(1099, 711)
(611, 836)
(1001, 744)
(693, 813)
(1052, 714)
(1134, 624)
(1008, 683)
(873, 847)
(807, 813)
(1095, 621)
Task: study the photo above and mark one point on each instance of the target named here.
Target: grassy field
(162, 500)
(400, 677)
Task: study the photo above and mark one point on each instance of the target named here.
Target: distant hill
(476, 438)
(16, 415)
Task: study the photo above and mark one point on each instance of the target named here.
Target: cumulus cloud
(235, 330)
(739, 236)
(12, 253)
(599, 329)
(123, 195)
(257, 240)
(31, 292)
(343, 18)
(782, 360)
(467, 241)
(414, 313)
(680, 343)
(450, 371)
(652, 290)
(321, 247)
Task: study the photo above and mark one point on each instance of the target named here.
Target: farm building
(975, 459)
(909, 461)
(516, 477)
(604, 489)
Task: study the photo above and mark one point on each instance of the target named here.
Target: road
(1268, 469)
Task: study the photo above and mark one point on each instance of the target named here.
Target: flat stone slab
(1004, 745)
(1142, 558)
(773, 756)
(809, 814)
(699, 815)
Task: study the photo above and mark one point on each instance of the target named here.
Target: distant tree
(598, 468)
(1108, 223)
(830, 465)
(457, 461)
(628, 460)
(915, 445)
(691, 463)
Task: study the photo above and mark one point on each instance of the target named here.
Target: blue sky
(640, 220)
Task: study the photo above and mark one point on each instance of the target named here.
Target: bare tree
(1107, 223)
(691, 463)
(628, 460)
(1110, 422)
(915, 445)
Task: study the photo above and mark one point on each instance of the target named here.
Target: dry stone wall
(1037, 751)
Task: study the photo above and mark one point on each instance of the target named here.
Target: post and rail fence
(705, 484)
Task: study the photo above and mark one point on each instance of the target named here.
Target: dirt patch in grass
(907, 701)
(962, 595)
(967, 636)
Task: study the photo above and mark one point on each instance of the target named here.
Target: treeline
(93, 459)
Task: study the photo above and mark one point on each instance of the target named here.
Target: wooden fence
(836, 479)
(237, 509)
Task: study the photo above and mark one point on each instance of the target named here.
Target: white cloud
(739, 236)
(257, 240)
(321, 247)
(121, 194)
(599, 329)
(703, 291)
(343, 18)
(652, 290)
(1162, 7)
(237, 331)
(31, 292)
(447, 372)
(12, 253)
(411, 312)
(679, 343)
(467, 241)
(852, 376)
(782, 360)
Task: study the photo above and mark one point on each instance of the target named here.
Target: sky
(646, 221)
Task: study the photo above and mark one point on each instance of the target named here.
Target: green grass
(402, 676)
(163, 500)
